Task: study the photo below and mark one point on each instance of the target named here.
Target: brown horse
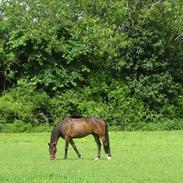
(76, 128)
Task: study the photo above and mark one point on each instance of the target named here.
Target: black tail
(106, 143)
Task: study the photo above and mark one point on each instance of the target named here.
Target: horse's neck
(55, 135)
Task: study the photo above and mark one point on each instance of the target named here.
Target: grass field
(137, 157)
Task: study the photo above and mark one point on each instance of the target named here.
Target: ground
(137, 157)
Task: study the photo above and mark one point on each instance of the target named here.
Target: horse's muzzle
(52, 157)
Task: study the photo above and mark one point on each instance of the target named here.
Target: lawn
(137, 157)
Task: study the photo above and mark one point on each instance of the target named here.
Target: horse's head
(52, 150)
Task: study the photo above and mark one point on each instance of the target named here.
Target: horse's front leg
(75, 148)
(66, 147)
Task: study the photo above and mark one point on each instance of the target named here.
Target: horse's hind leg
(97, 140)
(106, 146)
(75, 148)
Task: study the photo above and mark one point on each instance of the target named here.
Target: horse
(79, 127)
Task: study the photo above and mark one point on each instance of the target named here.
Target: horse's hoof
(109, 158)
(97, 158)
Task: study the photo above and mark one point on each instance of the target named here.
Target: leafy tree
(118, 59)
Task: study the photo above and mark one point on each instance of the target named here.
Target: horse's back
(80, 127)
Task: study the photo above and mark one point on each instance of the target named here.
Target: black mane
(76, 116)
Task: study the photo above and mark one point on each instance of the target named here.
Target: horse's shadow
(82, 159)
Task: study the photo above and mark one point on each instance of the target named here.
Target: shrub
(125, 111)
(25, 104)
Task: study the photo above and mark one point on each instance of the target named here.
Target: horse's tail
(106, 142)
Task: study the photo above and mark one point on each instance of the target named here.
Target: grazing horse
(76, 128)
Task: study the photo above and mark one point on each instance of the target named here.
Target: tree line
(119, 60)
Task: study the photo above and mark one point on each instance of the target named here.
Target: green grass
(137, 157)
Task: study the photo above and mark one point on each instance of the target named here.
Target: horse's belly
(80, 134)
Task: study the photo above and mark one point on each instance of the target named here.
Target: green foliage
(25, 104)
(125, 111)
(113, 103)
(164, 124)
(121, 60)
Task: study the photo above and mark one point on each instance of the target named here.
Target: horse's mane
(76, 116)
(55, 131)
(54, 134)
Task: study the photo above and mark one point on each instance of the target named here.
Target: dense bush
(24, 104)
(25, 107)
(120, 60)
